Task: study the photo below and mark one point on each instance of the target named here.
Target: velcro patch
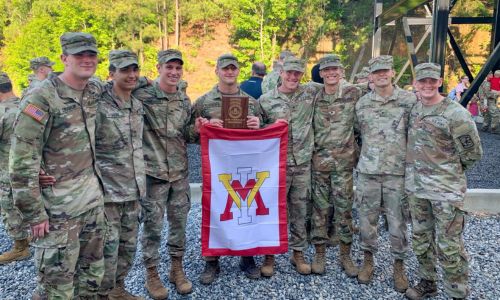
(466, 141)
(35, 112)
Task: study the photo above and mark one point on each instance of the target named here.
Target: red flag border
(278, 130)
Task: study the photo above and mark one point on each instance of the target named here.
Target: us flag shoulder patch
(35, 112)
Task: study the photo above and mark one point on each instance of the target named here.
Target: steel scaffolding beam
(439, 29)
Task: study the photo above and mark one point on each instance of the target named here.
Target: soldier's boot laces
(20, 251)
(120, 293)
(425, 288)
(346, 262)
(177, 276)
(300, 264)
(267, 269)
(154, 286)
(400, 279)
(365, 275)
(211, 270)
(318, 264)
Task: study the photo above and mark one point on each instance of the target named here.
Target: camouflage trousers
(122, 224)
(386, 190)
(494, 116)
(486, 121)
(11, 217)
(438, 228)
(175, 199)
(69, 259)
(298, 190)
(332, 190)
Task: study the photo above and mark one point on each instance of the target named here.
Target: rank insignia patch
(35, 112)
(466, 141)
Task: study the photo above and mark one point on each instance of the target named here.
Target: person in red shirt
(495, 81)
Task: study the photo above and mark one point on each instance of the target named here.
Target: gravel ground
(482, 239)
(486, 173)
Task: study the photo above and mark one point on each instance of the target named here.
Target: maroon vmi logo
(238, 194)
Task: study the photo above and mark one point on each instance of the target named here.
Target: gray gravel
(482, 238)
(486, 173)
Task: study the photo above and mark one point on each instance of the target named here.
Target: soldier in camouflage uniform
(382, 120)
(119, 126)
(12, 219)
(443, 142)
(491, 114)
(41, 67)
(362, 81)
(55, 129)
(208, 109)
(273, 79)
(333, 162)
(166, 134)
(293, 103)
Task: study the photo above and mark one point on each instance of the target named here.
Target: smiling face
(382, 78)
(170, 72)
(428, 88)
(81, 65)
(228, 75)
(332, 75)
(290, 80)
(126, 78)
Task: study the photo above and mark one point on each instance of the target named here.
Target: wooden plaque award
(235, 111)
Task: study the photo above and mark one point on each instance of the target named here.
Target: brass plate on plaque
(235, 111)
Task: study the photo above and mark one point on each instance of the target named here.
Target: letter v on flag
(244, 191)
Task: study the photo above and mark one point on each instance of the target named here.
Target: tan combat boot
(300, 264)
(346, 262)
(267, 269)
(20, 251)
(154, 286)
(120, 293)
(366, 273)
(400, 279)
(177, 276)
(318, 265)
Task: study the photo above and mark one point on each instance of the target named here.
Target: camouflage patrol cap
(37, 62)
(122, 58)
(227, 59)
(330, 60)
(427, 70)
(4, 78)
(285, 53)
(364, 73)
(294, 64)
(76, 42)
(382, 62)
(165, 56)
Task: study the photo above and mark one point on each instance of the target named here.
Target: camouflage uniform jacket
(271, 81)
(34, 82)
(209, 105)
(120, 158)
(166, 132)
(383, 126)
(8, 110)
(442, 143)
(364, 87)
(485, 92)
(298, 111)
(56, 130)
(333, 126)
